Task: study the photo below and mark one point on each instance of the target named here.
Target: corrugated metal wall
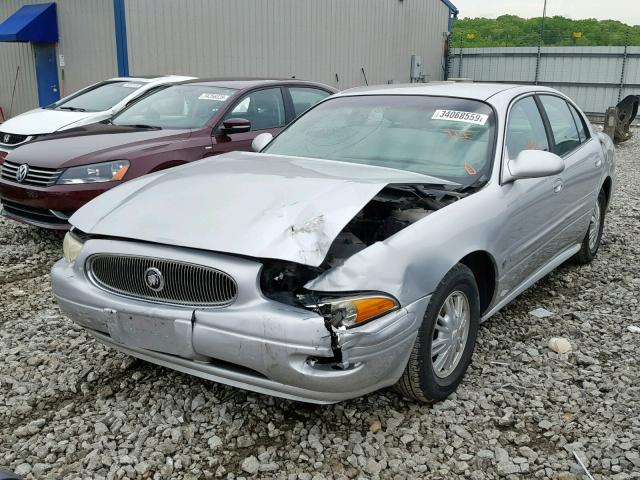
(86, 40)
(308, 39)
(591, 76)
(12, 56)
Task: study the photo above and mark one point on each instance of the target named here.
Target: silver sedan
(359, 249)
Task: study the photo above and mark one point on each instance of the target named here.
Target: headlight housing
(355, 310)
(71, 246)
(95, 173)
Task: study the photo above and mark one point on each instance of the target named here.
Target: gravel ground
(71, 408)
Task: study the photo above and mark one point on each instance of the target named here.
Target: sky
(627, 11)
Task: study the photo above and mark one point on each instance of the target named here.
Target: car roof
(245, 83)
(476, 91)
(152, 78)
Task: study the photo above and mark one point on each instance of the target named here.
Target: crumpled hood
(41, 121)
(93, 144)
(258, 205)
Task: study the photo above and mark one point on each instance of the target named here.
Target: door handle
(558, 186)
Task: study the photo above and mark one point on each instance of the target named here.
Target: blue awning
(32, 23)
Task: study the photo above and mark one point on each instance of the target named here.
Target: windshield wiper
(72, 109)
(140, 125)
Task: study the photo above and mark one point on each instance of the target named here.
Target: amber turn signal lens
(120, 173)
(368, 308)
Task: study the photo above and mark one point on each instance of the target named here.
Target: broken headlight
(71, 246)
(356, 310)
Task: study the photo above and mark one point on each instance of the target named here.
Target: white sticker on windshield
(213, 96)
(456, 116)
(131, 85)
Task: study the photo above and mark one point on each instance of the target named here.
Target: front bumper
(256, 343)
(47, 207)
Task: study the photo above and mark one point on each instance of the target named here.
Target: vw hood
(93, 144)
(42, 121)
(258, 205)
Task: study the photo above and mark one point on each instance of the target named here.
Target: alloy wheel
(450, 334)
(594, 227)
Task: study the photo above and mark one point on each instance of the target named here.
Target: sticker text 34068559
(457, 116)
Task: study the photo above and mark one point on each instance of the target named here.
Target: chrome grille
(38, 176)
(183, 283)
(10, 139)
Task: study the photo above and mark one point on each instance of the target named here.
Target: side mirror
(236, 125)
(533, 164)
(261, 141)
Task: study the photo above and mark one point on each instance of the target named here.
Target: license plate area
(164, 335)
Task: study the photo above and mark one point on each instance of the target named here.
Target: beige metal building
(343, 43)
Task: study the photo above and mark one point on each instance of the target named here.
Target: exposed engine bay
(393, 209)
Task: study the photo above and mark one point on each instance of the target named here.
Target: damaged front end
(393, 209)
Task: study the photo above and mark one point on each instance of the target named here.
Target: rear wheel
(446, 339)
(593, 238)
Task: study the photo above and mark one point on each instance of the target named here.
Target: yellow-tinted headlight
(354, 311)
(71, 247)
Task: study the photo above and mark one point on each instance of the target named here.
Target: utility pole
(544, 14)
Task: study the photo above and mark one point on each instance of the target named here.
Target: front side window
(263, 108)
(563, 126)
(443, 137)
(525, 128)
(100, 98)
(304, 98)
(177, 106)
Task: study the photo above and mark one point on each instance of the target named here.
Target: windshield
(100, 98)
(444, 137)
(177, 106)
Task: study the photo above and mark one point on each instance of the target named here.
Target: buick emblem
(6, 138)
(22, 172)
(154, 279)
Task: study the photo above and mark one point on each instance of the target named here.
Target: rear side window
(305, 98)
(582, 129)
(525, 129)
(563, 126)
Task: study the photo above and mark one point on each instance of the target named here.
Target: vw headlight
(96, 173)
(355, 310)
(71, 246)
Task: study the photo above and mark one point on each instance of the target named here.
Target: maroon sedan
(44, 182)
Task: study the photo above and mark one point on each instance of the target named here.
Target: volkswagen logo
(154, 279)
(6, 138)
(22, 172)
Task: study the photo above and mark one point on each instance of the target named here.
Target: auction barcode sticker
(457, 116)
(213, 96)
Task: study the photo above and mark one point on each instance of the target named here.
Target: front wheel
(593, 238)
(446, 339)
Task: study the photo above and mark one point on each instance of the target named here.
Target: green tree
(513, 31)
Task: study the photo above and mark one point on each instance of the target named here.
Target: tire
(422, 380)
(592, 239)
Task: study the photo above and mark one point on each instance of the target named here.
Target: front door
(46, 73)
(528, 236)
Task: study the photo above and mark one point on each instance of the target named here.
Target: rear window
(444, 137)
(100, 98)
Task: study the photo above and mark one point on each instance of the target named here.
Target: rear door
(583, 167)
(264, 108)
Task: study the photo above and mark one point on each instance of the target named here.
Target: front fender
(411, 263)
